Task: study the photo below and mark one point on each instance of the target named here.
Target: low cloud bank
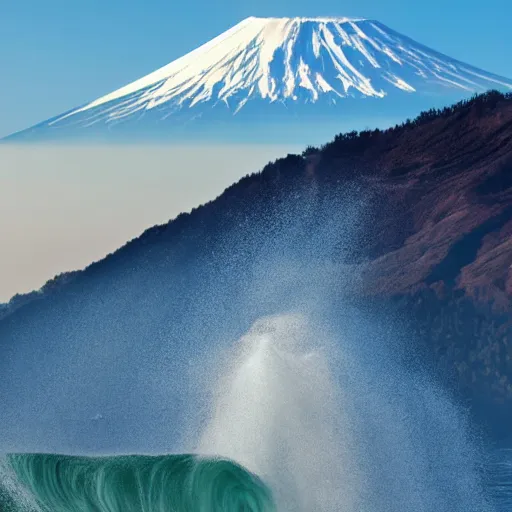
(63, 207)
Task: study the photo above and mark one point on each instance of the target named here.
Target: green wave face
(172, 483)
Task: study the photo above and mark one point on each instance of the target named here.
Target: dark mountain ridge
(432, 246)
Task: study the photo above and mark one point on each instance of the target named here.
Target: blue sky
(57, 54)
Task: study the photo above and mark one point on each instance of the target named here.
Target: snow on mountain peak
(247, 47)
(297, 60)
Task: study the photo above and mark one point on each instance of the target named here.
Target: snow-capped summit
(292, 62)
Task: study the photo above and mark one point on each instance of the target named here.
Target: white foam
(278, 413)
(331, 429)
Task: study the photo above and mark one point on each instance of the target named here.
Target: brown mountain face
(440, 238)
(443, 194)
(449, 186)
(435, 245)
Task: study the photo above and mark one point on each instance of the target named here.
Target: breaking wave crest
(56, 483)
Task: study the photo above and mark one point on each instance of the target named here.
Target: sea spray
(330, 429)
(277, 411)
(320, 424)
(14, 495)
(317, 404)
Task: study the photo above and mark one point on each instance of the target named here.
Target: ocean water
(263, 390)
(499, 478)
(42, 482)
(290, 426)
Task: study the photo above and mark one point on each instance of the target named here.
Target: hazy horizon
(64, 207)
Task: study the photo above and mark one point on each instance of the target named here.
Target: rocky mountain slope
(412, 224)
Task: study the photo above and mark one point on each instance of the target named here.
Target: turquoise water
(172, 483)
(303, 438)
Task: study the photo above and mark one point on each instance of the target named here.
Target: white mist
(278, 412)
(330, 429)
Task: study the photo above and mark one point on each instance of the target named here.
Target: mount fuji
(268, 77)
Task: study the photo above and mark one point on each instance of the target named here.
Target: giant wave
(311, 407)
(56, 483)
